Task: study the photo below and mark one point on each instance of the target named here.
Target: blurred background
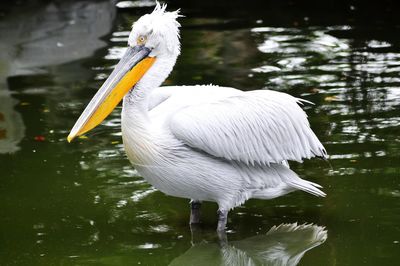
(83, 203)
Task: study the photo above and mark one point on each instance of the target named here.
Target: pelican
(204, 143)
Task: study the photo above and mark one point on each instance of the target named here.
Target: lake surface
(84, 204)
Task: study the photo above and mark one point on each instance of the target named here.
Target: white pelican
(204, 143)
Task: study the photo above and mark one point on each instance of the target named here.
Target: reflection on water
(52, 34)
(355, 85)
(296, 52)
(40, 37)
(12, 128)
(282, 245)
(83, 203)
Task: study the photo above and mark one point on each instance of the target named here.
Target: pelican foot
(195, 212)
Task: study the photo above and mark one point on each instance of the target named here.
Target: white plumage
(211, 143)
(257, 127)
(207, 143)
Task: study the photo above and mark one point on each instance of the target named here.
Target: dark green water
(83, 204)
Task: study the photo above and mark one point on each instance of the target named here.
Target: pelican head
(153, 47)
(158, 31)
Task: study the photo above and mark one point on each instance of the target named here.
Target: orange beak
(131, 68)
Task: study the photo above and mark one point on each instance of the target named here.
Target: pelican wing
(257, 127)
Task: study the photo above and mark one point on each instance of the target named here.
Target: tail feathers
(279, 180)
(291, 179)
(306, 186)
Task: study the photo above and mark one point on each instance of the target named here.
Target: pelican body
(204, 143)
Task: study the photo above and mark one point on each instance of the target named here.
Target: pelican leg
(196, 233)
(222, 219)
(195, 211)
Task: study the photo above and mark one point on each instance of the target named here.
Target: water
(83, 203)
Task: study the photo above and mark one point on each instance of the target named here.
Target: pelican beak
(129, 70)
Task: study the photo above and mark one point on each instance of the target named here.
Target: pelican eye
(141, 40)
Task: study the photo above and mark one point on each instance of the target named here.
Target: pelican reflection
(284, 244)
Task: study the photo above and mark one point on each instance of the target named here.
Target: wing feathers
(258, 127)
